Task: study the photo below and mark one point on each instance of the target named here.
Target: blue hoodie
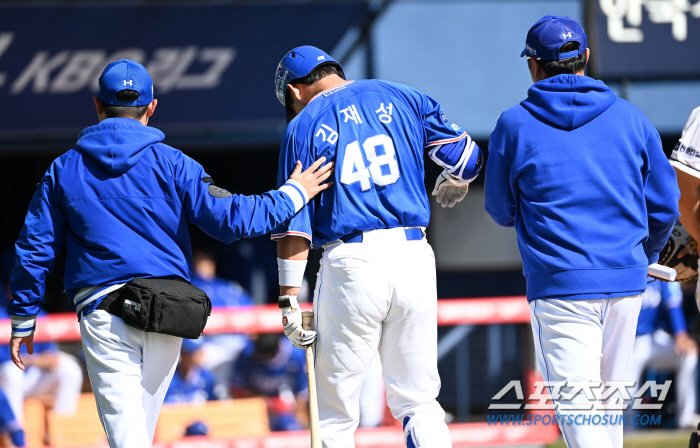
(119, 203)
(582, 176)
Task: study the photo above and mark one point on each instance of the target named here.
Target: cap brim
(523, 53)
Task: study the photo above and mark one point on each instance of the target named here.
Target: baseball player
(9, 425)
(654, 347)
(192, 382)
(376, 287)
(685, 158)
(582, 176)
(119, 204)
(270, 367)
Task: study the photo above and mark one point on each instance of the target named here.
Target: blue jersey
(284, 372)
(197, 387)
(662, 306)
(376, 132)
(223, 293)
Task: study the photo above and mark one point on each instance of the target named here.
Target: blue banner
(635, 39)
(212, 66)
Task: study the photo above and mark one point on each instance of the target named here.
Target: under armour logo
(130, 83)
(565, 35)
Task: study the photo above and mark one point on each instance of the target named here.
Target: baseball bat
(662, 272)
(307, 319)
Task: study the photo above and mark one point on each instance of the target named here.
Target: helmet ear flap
(289, 113)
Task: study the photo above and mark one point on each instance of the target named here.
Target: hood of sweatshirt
(568, 101)
(117, 144)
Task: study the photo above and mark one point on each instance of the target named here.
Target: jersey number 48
(383, 169)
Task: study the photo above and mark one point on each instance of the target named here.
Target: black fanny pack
(161, 305)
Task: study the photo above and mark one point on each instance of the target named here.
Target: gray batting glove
(291, 321)
(449, 190)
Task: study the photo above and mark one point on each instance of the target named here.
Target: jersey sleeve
(449, 145)
(301, 223)
(500, 198)
(229, 217)
(686, 154)
(661, 195)
(40, 241)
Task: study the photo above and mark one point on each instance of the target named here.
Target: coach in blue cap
(118, 204)
(582, 176)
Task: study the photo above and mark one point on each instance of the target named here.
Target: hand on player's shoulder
(313, 178)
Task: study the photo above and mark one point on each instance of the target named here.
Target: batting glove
(291, 321)
(449, 190)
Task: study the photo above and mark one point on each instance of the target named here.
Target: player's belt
(413, 234)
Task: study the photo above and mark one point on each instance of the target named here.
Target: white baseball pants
(130, 371)
(378, 296)
(657, 351)
(586, 340)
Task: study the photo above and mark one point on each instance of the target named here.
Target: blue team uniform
(282, 374)
(662, 304)
(8, 422)
(119, 203)
(379, 158)
(223, 293)
(197, 387)
(285, 370)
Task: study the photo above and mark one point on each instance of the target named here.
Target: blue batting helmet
(298, 63)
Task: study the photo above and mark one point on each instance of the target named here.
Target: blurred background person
(220, 350)
(52, 376)
(192, 383)
(662, 343)
(11, 433)
(271, 367)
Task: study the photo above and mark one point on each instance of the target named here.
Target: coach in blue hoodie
(119, 204)
(581, 175)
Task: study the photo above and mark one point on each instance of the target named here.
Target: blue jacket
(582, 176)
(119, 203)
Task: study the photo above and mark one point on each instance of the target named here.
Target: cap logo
(569, 35)
(321, 58)
(531, 50)
(130, 83)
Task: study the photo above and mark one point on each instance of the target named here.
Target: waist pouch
(161, 305)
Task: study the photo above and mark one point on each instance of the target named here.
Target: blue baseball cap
(197, 428)
(546, 37)
(125, 75)
(192, 345)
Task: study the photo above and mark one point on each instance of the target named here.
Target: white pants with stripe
(586, 340)
(130, 371)
(378, 296)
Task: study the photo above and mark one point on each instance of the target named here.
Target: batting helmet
(298, 63)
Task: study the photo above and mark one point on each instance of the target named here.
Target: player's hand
(685, 344)
(291, 321)
(449, 190)
(16, 344)
(312, 179)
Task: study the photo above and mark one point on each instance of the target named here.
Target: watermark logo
(583, 395)
(573, 419)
